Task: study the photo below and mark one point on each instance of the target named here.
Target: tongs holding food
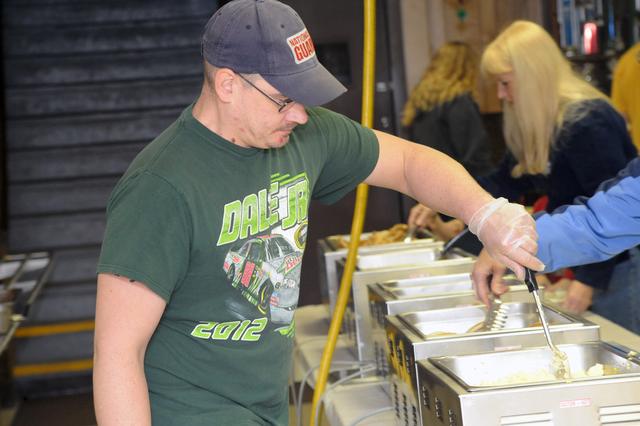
(560, 363)
(495, 317)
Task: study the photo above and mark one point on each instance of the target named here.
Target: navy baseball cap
(268, 37)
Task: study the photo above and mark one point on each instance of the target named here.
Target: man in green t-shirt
(199, 273)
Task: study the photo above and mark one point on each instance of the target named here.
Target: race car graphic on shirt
(266, 270)
(267, 231)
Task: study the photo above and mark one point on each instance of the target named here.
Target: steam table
(350, 404)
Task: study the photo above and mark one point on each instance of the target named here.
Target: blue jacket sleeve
(595, 229)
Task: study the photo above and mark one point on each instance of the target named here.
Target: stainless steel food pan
(416, 336)
(357, 318)
(334, 242)
(429, 286)
(451, 393)
(330, 254)
(533, 366)
(437, 292)
(520, 315)
(390, 299)
(406, 257)
(420, 287)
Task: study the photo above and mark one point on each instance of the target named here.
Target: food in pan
(440, 334)
(480, 326)
(538, 323)
(542, 375)
(392, 235)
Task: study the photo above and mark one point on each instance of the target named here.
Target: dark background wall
(87, 84)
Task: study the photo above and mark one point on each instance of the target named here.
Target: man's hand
(579, 297)
(487, 277)
(508, 233)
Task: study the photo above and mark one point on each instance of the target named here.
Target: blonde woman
(442, 114)
(564, 138)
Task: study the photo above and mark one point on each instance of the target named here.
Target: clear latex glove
(509, 235)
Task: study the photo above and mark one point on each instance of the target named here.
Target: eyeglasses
(282, 105)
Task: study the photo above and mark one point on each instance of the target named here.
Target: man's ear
(224, 84)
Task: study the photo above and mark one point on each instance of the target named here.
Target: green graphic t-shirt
(218, 231)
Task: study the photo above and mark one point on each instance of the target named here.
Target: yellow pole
(368, 86)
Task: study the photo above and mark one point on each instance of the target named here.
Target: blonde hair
(451, 73)
(548, 94)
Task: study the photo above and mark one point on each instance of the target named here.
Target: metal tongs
(495, 317)
(560, 360)
(410, 235)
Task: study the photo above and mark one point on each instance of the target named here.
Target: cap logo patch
(301, 46)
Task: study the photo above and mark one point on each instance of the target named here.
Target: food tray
(520, 315)
(406, 257)
(520, 367)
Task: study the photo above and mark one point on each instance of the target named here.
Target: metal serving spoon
(560, 363)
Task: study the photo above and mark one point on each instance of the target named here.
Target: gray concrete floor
(77, 410)
(69, 410)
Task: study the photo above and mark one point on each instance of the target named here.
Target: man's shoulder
(165, 144)
(325, 121)
(160, 156)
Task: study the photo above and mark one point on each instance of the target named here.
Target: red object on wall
(590, 38)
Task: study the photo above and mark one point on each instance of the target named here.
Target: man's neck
(207, 111)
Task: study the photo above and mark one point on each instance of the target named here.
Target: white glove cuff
(482, 214)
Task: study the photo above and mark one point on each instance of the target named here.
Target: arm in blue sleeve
(608, 223)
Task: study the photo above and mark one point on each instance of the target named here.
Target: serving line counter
(415, 336)
(348, 403)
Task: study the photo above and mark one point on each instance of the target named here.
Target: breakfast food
(523, 377)
(392, 235)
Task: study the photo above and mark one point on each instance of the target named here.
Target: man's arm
(438, 181)
(127, 314)
(428, 176)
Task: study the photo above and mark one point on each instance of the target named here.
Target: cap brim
(312, 87)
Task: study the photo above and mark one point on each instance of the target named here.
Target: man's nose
(297, 114)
